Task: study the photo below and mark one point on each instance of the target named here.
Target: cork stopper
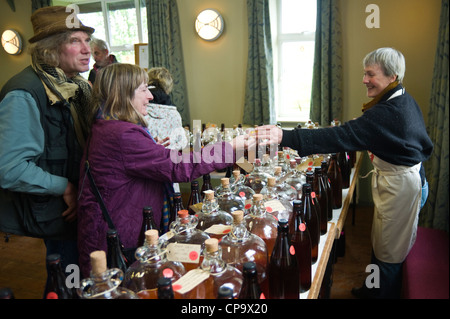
(212, 245)
(271, 181)
(151, 236)
(238, 216)
(266, 157)
(98, 262)
(183, 213)
(236, 173)
(209, 194)
(225, 181)
(277, 170)
(257, 197)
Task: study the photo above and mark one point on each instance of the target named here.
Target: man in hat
(43, 128)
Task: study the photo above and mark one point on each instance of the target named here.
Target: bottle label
(190, 280)
(218, 229)
(52, 295)
(167, 273)
(274, 206)
(185, 253)
(242, 194)
(292, 250)
(302, 227)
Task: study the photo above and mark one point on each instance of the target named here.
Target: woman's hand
(164, 142)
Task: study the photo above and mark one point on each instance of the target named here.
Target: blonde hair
(114, 90)
(160, 77)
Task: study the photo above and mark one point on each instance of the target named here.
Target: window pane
(122, 20)
(297, 59)
(298, 16)
(91, 15)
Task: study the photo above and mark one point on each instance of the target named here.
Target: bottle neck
(213, 262)
(258, 209)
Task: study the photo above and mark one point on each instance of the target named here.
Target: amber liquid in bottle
(326, 182)
(284, 273)
(301, 241)
(194, 197)
(312, 222)
(147, 224)
(250, 287)
(321, 194)
(335, 176)
(346, 168)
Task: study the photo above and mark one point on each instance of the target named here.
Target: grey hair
(99, 43)
(391, 61)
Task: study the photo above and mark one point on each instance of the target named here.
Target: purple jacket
(130, 170)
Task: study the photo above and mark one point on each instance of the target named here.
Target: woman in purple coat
(130, 169)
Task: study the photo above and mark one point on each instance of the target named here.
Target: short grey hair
(99, 43)
(391, 61)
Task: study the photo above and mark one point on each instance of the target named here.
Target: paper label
(244, 164)
(274, 205)
(190, 280)
(197, 208)
(185, 253)
(218, 229)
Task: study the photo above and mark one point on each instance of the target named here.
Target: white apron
(396, 192)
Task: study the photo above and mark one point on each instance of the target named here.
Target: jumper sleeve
(22, 142)
(144, 158)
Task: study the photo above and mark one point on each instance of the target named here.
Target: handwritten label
(185, 253)
(190, 280)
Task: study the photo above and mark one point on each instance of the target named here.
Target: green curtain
(259, 97)
(436, 211)
(327, 91)
(165, 49)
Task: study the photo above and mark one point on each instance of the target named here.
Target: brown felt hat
(48, 21)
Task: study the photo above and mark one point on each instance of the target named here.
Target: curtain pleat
(435, 213)
(165, 49)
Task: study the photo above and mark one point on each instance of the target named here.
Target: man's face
(75, 54)
(100, 56)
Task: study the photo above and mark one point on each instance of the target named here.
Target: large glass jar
(151, 264)
(261, 223)
(190, 241)
(279, 207)
(296, 179)
(227, 200)
(104, 283)
(241, 246)
(213, 220)
(257, 178)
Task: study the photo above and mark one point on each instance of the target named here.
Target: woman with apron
(392, 129)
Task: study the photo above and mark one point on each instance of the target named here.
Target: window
(293, 33)
(121, 23)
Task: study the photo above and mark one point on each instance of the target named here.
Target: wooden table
(335, 226)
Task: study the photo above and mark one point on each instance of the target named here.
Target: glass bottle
(312, 222)
(280, 208)
(115, 257)
(346, 168)
(327, 184)
(320, 192)
(238, 187)
(206, 184)
(165, 290)
(227, 200)
(257, 179)
(267, 164)
(56, 287)
(281, 162)
(296, 179)
(212, 219)
(261, 223)
(301, 241)
(194, 197)
(221, 273)
(104, 283)
(315, 199)
(283, 267)
(147, 224)
(150, 265)
(335, 176)
(240, 246)
(177, 206)
(6, 293)
(225, 292)
(283, 189)
(250, 286)
(184, 231)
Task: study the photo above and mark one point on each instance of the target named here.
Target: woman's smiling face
(142, 97)
(375, 80)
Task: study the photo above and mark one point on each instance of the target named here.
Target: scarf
(75, 93)
(377, 98)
